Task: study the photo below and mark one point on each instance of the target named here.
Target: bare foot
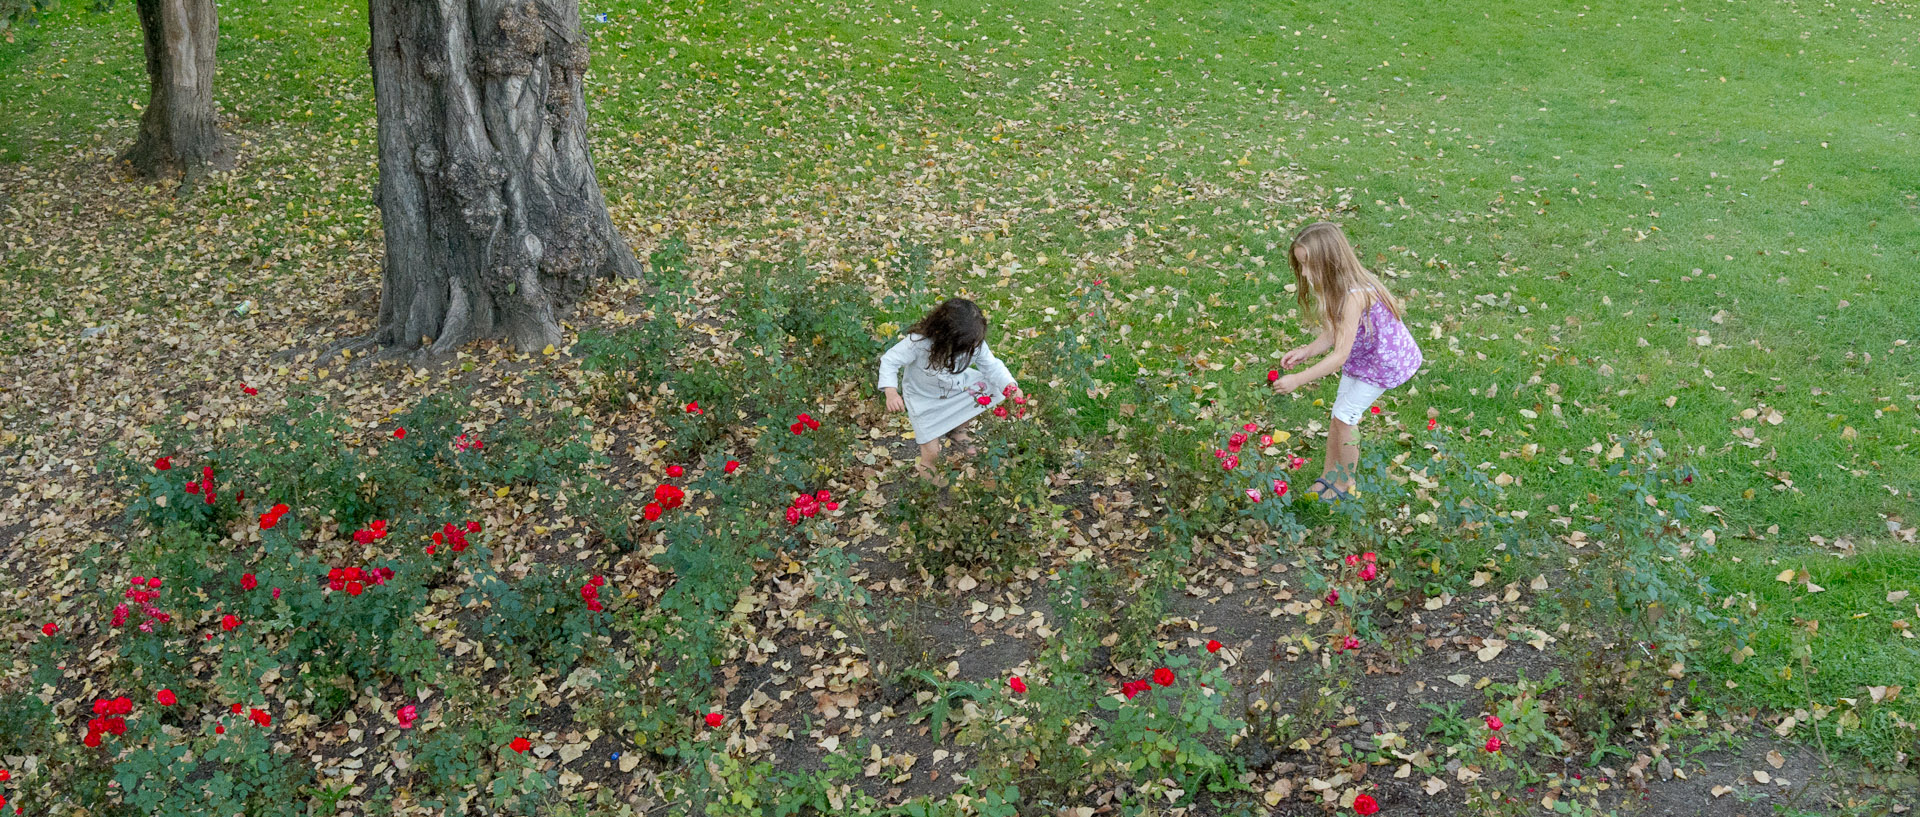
(964, 444)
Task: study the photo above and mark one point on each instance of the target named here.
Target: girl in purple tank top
(1361, 334)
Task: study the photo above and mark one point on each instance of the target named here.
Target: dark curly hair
(957, 327)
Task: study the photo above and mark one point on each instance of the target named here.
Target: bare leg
(1343, 455)
(961, 438)
(929, 456)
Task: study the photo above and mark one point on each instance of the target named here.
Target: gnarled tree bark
(494, 221)
(179, 134)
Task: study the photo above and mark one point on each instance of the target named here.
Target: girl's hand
(1015, 394)
(1286, 384)
(894, 403)
(1295, 357)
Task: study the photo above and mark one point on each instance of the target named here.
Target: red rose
(598, 581)
(1163, 677)
(399, 433)
(163, 464)
(731, 466)
(1493, 722)
(1364, 804)
(797, 428)
(714, 719)
(165, 697)
(473, 527)
(1019, 686)
(983, 400)
(1213, 646)
(49, 629)
(1493, 743)
(694, 408)
(793, 516)
(1432, 423)
(260, 717)
(675, 471)
(92, 740)
(363, 536)
(248, 582)
(520, 745)
(1273, 375)
(1132, 688)
(1374, 409)
(1000, 412)
(249, 390)
(1350, 643)
(229, 622)
(652, 511)
(355, 588)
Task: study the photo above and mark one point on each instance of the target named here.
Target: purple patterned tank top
(1384, 353)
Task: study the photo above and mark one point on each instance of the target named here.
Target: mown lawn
(1699, 221)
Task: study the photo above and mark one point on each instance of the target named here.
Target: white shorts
(1354, 398)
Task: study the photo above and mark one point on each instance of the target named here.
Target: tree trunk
(179, 135)
(494, 221)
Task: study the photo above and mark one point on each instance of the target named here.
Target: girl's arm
(899, 357)
(991, 366)
(1342, 340)
(1314, 348)
(902, 355)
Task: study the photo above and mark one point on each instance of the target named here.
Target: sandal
(1321, 489)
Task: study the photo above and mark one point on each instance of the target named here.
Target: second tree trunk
(179, 134)
(494, 221)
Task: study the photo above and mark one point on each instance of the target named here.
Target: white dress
(938, 401)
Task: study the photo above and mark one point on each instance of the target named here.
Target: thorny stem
(1806, 688)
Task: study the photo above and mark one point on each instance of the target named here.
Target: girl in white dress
(950, 376)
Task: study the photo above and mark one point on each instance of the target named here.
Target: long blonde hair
(1329, 272)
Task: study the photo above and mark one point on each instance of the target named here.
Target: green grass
(1571, 196)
